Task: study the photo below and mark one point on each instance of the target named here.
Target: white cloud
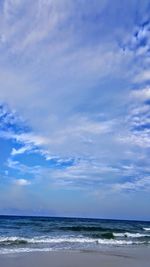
(78, 129)
(21, 150)
(59, 72)
(22, 182)
(137, 185)
(137, 121)
(39, 20)
(141, 94)
(57, 76)
(22, 168)
(137, 138)
(143, 76)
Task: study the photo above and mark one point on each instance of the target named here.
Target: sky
(75, 108)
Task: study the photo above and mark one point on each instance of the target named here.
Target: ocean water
(25, 234)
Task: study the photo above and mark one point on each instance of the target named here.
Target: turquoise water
(19, 234)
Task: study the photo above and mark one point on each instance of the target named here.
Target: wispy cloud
(74, 93)
(144, 76)
(142, 94)
(22, 168)
(133, 186)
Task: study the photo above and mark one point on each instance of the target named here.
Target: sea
(28, 234)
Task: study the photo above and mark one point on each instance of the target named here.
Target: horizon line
(72, 217)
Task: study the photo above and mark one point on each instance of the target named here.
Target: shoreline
(116, 257)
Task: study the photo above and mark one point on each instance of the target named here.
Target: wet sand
(119, 257)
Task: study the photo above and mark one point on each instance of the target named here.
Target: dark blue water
(19, 234)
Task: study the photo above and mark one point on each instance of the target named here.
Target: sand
(119, 257)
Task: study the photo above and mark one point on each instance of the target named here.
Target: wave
(40, 240)
(100, 242)
(14, 240)
(107, 235)
(132, 235)
(146, 229)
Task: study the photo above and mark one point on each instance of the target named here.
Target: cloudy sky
(75, 108)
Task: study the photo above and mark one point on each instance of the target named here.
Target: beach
(118, 257)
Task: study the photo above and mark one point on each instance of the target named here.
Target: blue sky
(75, 108)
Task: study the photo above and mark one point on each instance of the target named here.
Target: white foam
(119, 242)
(11, 239)
(44, 239)
(71, 240)
(146, 229)
(61, 240)
(119, 234)
(25, 250)
(127, 234)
